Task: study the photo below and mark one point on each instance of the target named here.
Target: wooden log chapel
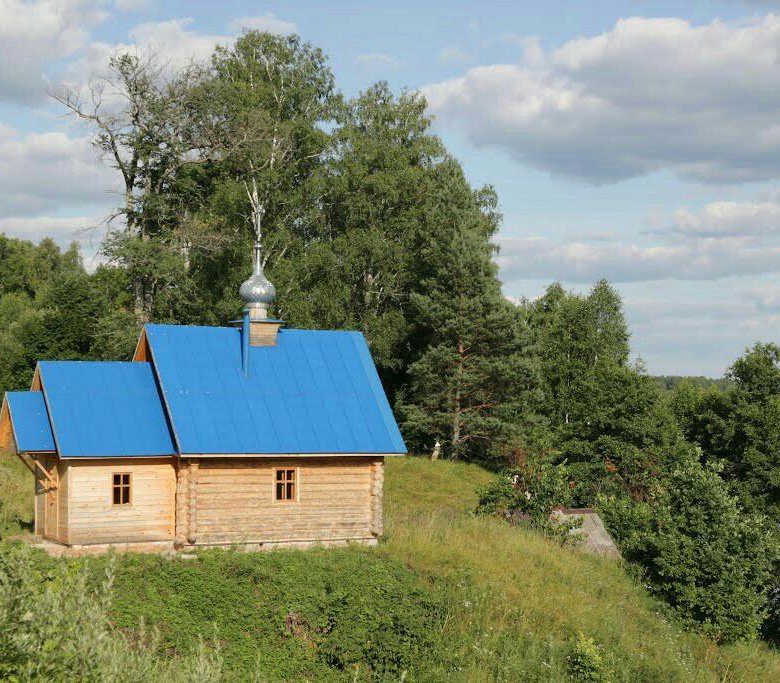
(253, 435)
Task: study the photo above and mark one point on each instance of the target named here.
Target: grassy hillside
(445, 597)
(16, 496)
(531, 599)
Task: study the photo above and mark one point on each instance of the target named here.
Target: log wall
(92, 516)
(231, 500)
(63, 502)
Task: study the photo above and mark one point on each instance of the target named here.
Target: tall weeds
(53, 626)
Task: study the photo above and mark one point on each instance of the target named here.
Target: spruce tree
(470, 388)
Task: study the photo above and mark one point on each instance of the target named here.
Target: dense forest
(369, 224)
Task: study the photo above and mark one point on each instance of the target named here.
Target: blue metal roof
(314, 392)
(105, 409)
(30, 421)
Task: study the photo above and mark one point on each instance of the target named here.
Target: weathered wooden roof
(595, 537)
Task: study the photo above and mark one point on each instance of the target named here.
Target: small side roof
(29, 421)
(314, 392)
(105, 409)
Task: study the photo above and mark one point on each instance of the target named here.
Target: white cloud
(47, 172)
(58, 228)
(683, 334)
(33, 34)
(172, 42)
(86, 231)
(722, 239)
(766, 299)
(268, 22)
(378, 60)
(650, 94)
(730, 218)
(704, 259)
(132, 5)
(454, 55)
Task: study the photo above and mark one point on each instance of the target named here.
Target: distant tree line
(669, 383)
(368, 223)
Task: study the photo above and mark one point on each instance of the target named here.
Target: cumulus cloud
(87, 231)
(722, 239)
(173, 42)
(649, 95)
(755, 218)
(268, 22)
(33, 34)
(705, 259)
(132, 5)
(47, 172)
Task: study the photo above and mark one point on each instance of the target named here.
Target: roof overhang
(24, 422)
(236, 456)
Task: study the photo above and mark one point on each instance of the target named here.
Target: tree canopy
(368, 223)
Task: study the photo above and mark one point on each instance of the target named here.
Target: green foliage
(586, 661)
(700, 551)
(669, 383)
(50, 307)
(608, 420)
(53, 626)
(287, 615)
(369, 224)
(519, 599)
(448, 597)
(739, 429)
(16, 496)
(529, 494)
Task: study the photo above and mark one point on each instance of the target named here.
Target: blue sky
(637, 141)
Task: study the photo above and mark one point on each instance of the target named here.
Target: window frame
(296, 481)
(122, 486)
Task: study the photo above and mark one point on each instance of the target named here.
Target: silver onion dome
(257, 289)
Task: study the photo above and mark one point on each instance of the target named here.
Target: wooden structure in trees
(592, 532)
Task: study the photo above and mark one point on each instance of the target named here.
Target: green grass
(16, 496)
(445, 597)
(525, 599)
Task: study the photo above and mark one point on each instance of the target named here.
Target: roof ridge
(227, 327)
(94, 362)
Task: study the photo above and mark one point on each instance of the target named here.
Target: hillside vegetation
(369, 223)
(446, 596)
(16, 496)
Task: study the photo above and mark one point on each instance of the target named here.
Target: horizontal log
(119, 524)
(324, 493)
(307, 461)
(225, 478)
(275, 529)
(207, 539)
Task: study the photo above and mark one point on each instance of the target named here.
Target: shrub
(529, 494)
(701, 552)
(586, 661)
(340, 613)
(53, 626)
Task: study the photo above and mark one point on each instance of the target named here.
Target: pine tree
(470, 388)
